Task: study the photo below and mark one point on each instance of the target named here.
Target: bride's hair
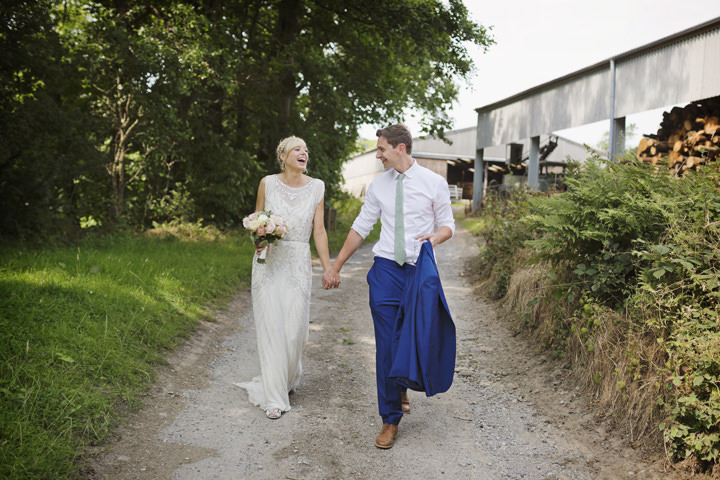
(285, 145)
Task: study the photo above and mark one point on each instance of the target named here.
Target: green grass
(82, 328)
(473, 224)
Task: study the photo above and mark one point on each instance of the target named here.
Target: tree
(184, 102)
(44, 146)
(333, 66)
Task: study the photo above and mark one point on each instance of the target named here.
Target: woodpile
(688, 137)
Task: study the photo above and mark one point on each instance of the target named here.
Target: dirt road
(508, 415)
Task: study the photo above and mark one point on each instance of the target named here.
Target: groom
(410, 201)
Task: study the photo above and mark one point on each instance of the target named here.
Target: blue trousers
(387, 281)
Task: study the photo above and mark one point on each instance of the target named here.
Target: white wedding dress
(281, 294)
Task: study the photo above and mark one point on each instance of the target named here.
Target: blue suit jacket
(424, 341)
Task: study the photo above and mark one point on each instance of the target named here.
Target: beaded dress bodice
(295, 204)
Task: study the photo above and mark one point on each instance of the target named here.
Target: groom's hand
(331, 279)
(436, 238)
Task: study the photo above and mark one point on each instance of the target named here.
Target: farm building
(455, 162)
(683, 68)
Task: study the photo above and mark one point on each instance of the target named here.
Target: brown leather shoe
(386, 439)
(405, 402)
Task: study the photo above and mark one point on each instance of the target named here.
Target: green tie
(399, 222)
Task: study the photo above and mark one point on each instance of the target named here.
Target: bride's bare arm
(260, 202)
(320, 235)
(260, 205)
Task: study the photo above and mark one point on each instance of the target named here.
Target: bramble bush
(680, 278)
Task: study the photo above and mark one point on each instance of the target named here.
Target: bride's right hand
(260, 246)
(331, 279)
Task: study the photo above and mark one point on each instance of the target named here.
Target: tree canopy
(133, 112)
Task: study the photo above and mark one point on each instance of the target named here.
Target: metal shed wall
(676, 73)
(677, 69)
(576, 101)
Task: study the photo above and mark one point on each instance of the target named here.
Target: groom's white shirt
(426, 206)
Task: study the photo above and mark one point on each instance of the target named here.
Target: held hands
(331, 279)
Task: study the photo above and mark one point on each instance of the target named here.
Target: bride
(281, 286)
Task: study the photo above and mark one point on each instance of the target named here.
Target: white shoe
(273, 413)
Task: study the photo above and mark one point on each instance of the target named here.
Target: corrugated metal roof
(698, 30)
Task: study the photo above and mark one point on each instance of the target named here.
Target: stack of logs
(688, 137)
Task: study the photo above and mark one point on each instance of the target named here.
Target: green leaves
(634, 239)
(115, 105)
(595, 225)
(581, 270)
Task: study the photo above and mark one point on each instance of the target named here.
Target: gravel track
(510, 413)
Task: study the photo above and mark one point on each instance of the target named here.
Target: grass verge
(82, 327)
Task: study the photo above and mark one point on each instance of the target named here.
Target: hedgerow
(628, 291)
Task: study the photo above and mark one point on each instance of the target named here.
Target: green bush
(593, 228)
(680, 279)
(503, 237)
(635, 239)
(639, 239)
(346, 209)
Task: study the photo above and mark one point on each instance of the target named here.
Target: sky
(537, 41)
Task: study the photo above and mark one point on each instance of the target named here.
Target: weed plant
(82, 327)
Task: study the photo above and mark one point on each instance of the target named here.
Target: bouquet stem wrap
(265, 228)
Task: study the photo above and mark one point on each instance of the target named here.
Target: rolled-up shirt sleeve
(368, 216)
(443, 210)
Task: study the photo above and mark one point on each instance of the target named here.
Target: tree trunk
(123, 126)
(288, 31)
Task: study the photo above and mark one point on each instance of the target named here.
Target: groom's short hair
(397, 134)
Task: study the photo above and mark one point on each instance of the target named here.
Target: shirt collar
(408, 173)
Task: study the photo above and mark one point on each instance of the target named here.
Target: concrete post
(478, 178)
(533, 168)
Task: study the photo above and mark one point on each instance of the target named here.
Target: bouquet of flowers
(265, 228)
